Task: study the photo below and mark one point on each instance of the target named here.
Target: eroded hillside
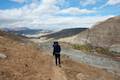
(104, 34)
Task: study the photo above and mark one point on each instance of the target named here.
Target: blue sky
(56, 14)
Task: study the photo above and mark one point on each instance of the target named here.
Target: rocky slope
(104, 34)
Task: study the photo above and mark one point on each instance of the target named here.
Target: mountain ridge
(64, 33)
(22, 30)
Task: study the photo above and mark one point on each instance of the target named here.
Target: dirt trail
(58, 74)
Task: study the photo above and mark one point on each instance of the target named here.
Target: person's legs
(59, 59)
(56, 59)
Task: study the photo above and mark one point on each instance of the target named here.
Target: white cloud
(113, 2)
(29, 14)
(87, 2)
(42, 15)
(76, 11)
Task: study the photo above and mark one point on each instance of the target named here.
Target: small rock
(2, 56)
(26, 65)
(81, 76)
(115, 48)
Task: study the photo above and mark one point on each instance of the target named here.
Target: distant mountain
(12, 36)
(14, 29)
(23, 30)
(64, 33)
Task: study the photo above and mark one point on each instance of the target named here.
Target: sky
(56, 14)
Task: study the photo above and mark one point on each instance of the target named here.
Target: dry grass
(24, 62)
(77, 71)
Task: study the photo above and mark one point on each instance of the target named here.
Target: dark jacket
(56, 48)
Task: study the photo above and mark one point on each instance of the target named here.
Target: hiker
(56, 53)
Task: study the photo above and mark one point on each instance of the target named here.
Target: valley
(30, 58)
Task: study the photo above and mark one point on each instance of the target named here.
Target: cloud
(87, 2)
(113, 2)
(32, 10)
(28, 14)
(42, 14)
(76, 11)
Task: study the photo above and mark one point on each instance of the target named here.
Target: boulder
(2, 56)
(115, 48)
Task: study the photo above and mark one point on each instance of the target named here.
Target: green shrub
(89, 49)
(84, 48)
(101, 50)
(115, 53)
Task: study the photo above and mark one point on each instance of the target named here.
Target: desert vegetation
(91, 49)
